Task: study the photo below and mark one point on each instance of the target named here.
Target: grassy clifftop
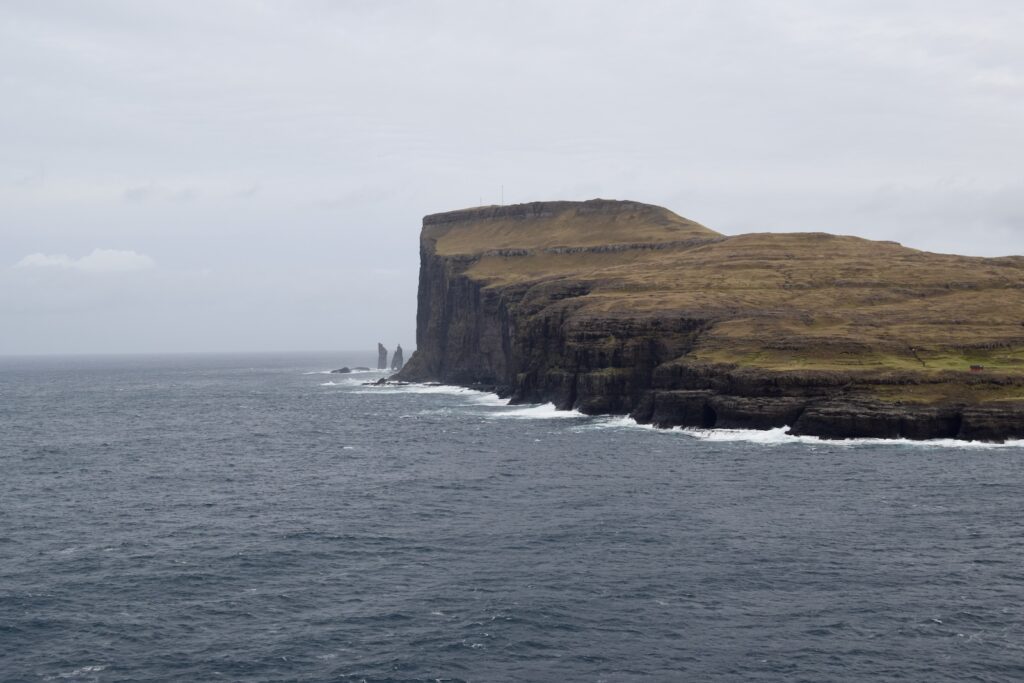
(557, 226)
(785, 302)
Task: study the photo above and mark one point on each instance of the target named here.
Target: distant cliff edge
(626, 308)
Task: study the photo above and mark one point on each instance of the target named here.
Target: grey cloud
(140, 194)
(290, 149)
(96, 261)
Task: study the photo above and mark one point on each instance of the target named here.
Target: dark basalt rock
(386, 382)
(382, 357)
(683, 408)
(739, 412)
(341, 371)
(993, 422)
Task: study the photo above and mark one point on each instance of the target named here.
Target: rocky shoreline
(542, 339)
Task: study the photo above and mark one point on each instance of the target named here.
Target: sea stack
(626, 308)
(398, 360)
(382, 357)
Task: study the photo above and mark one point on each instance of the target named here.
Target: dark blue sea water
(198, 518)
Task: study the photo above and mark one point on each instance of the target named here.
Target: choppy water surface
(235, 518)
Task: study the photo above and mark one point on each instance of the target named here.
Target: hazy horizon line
(60, 354)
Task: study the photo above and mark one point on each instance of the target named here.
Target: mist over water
(251, 518)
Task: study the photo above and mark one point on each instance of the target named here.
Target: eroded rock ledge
(626, 308)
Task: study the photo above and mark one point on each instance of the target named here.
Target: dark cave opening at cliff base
(709, 417)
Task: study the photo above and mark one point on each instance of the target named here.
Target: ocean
(251, 518)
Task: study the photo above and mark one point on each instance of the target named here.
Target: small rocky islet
(618, 307)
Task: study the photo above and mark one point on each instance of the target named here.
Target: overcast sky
(242, 175)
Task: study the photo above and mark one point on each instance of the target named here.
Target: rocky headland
(626, 308)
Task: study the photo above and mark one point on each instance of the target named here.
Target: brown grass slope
(785, 303)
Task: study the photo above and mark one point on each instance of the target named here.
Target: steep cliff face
(462, 331)
(626, 308)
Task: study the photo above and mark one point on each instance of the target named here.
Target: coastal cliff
(626, 308)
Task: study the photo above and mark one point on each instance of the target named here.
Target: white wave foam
(347, 381)
(486, 399)
(416, 389)
(351, 372)
(544, 411)
(478, 397)
(78, 673)
(433, 389)
(617, 422)
(779, 435)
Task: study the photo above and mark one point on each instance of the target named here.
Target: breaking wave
(779, 435)
(352, 372)
(547, 411)
(444, 389)
(342, 383)
(543, 411)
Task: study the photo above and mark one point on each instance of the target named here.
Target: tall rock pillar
(398, 360)
(382, 357)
